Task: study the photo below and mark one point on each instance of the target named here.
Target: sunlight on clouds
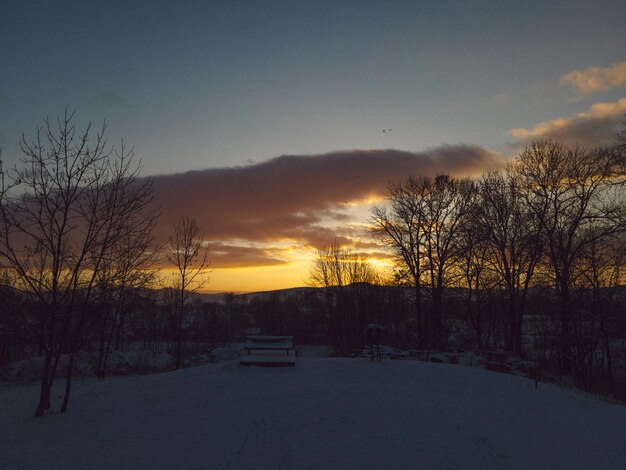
(266, 220)
(293, 274)
(381, 264)
(596, 79)
(540, 130)
(295, 271)
(594, 126)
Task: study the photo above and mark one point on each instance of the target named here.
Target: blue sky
(232, 85)
(193, 85)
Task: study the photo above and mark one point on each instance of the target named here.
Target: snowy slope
(322, 414)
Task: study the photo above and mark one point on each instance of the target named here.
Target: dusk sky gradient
(278, 107)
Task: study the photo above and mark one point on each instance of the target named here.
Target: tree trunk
(44, 395)
(179, 329)
(418, 313)
(68, 382)
(437, 293)
(566, 340)
(102, 347)
(107, 351)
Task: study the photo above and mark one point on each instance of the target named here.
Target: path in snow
(322, 414)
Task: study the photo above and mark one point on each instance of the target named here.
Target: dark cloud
(297, 197)
(224, 255)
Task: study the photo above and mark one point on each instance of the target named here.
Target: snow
(119, 363)
(331, 413)
(261, 359)
(224, 354)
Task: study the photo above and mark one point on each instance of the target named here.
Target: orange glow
(266, 278)
(227, 276)
(259, 278)
(249, 279)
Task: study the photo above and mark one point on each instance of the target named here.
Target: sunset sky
(264, 119)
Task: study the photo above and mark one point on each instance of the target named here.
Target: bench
(269, 351)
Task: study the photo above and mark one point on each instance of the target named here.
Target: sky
(276, 124)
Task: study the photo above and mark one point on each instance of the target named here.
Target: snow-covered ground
(325, 413)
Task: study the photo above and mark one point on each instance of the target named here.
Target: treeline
(338, 316)
(530, 259)
(77, 252)
(551, 226)
(148, 320)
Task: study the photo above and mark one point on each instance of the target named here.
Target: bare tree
(474, 276)
(189, 254)
(342, 272)
(399, 225)
(512, 234)
(60, 214)
(421, 223)
(598, 275)
(129, 266)
(336, 266)
(446, 206)
(569, 188)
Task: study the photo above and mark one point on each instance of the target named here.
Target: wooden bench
(269, 351)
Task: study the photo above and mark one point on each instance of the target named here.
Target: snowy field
(322, 414)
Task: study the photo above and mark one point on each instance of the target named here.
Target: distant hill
(220, 297)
